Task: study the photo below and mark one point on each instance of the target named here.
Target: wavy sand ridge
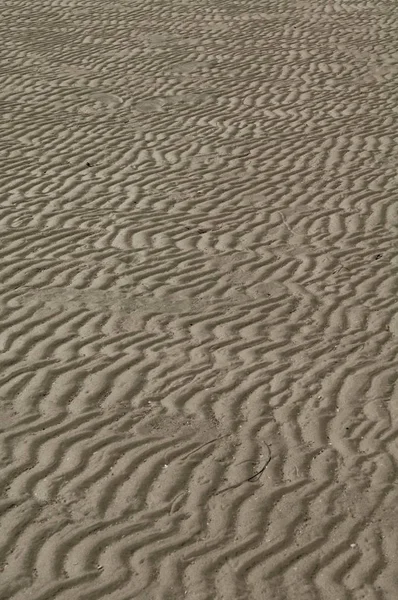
(198, 307)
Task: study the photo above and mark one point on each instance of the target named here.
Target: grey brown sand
(198, 279)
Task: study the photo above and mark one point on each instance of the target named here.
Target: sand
(198, 296)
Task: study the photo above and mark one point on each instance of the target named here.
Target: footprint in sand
(101, 102)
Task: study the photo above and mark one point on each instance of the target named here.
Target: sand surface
(199, 300)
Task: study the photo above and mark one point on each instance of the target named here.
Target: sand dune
(198, 299)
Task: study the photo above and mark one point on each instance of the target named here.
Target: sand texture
(198, 300)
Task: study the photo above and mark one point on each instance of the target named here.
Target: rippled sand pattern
(199, 300)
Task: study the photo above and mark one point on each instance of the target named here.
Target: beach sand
(198, 299)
